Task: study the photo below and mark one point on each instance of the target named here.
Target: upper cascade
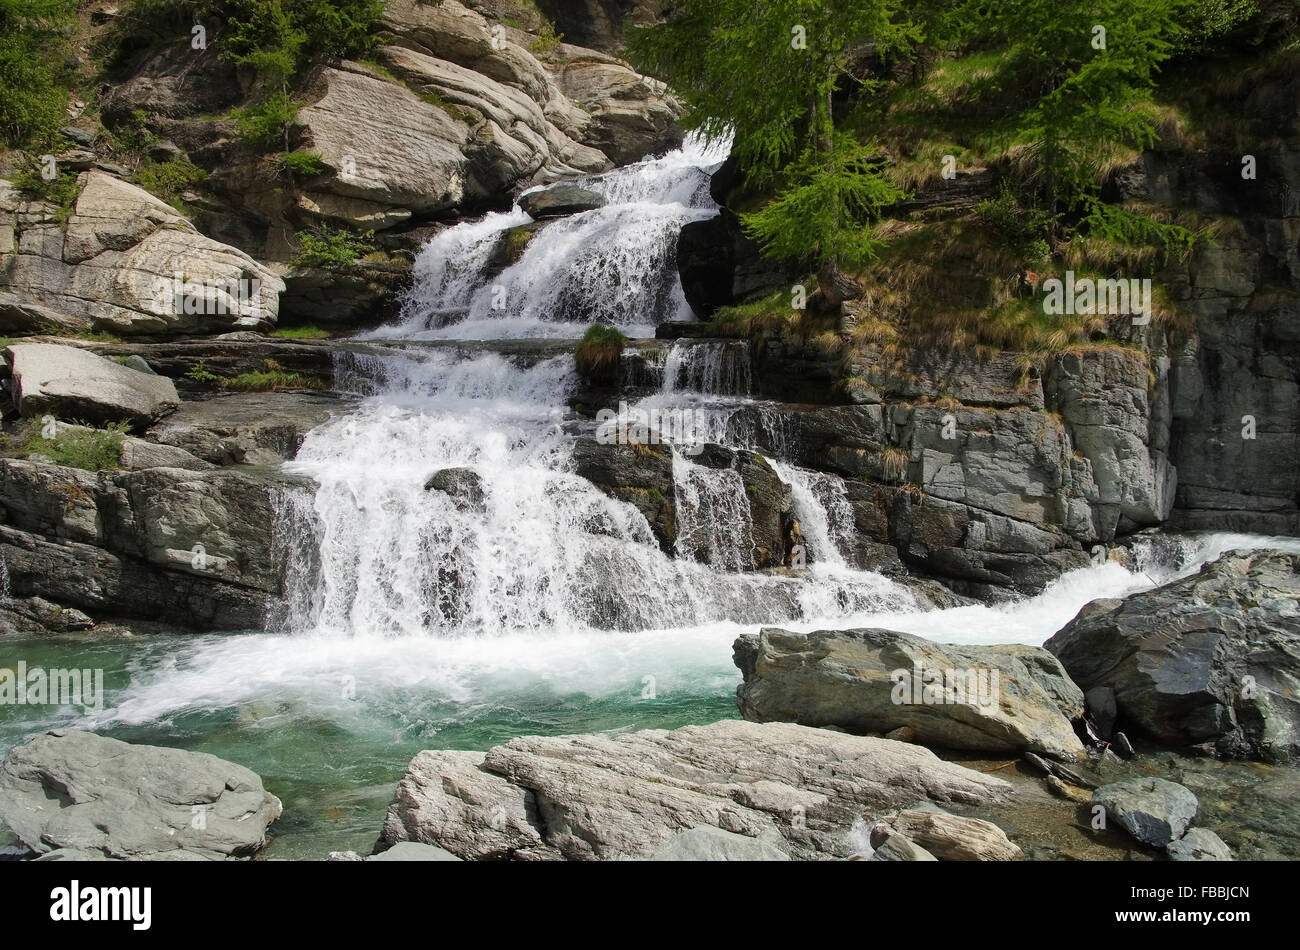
(614, 264)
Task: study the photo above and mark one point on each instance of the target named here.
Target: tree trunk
(835, 285)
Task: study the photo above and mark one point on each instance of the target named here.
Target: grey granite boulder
(1155, 811)
(620, 796)
(1008, 698)
(74, 384)
(1199, 844)
(1211, 658)
(88, 793)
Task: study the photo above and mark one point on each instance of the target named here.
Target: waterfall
(615, 264)
(710, 367)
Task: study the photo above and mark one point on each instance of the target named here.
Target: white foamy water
(473, 672)
(614, 265)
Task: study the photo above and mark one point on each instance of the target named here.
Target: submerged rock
(607, 797)
(83, 793)
(1011, 698)
(1211, 658)
(1199, 844)
(1155, 811)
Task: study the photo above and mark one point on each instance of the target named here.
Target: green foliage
(826, 211)
(277, 37)
(265, 122)
(61, 191)
(300, 333)
(271, 376)
(1209, 20)
(299, 164)
(517, 240)
(200, 374)
(82, 447)
(33, 69)
(1022, 228)
(737, 67)
(546, 41)
(332, 248)
(598, 353)
(168, 180)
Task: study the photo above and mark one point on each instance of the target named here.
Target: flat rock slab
(1155, 811)
(1009, 698)
(610, 797)
(77, 792)
(76, 385)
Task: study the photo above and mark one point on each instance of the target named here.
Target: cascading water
(615, 264)
(454, 584)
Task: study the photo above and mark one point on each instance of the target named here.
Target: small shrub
(61, 191)
(266, 122)
(332, 248)
(598, 354)
(299, 164)
(200, 374)
(87, 448)
(168, 180)
(546, 40)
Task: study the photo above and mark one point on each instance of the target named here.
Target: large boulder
(130, 263)
(607, 797)
(72, 383)
(91, 794)
(1009, 698)
(1210, 658)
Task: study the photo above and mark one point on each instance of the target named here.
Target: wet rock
(79, 791)
(463, 484)
(1067, 791)
(872, 681)
(191, 548)
(1060, 771)
(707, 843)
(1123, 745)
(641, 475)
(559, 201)
(953, 837)
(1155, 811)
(139, 364)
(1208, 658)
(1199, 844)
(607, 797)
(247, 428)
(71, 383)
